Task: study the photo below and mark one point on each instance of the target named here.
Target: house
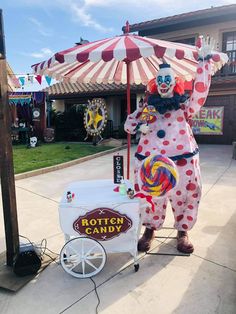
(219, 23)
(216, 122)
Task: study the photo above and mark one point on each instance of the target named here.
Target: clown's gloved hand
(205, 47)
(144, 128)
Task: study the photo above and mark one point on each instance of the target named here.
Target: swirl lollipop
(158, 175)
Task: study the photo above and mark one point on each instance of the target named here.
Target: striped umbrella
(123, 59)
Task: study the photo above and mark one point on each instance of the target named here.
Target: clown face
(165, 82)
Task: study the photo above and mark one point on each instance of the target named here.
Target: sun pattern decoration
(95, 117)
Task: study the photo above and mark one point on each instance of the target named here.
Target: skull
(33, 141)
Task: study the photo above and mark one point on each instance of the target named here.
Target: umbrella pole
(128, 112)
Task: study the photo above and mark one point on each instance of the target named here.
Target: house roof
(200, 17)
(69, 90)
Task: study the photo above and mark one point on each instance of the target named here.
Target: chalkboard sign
(118, 168)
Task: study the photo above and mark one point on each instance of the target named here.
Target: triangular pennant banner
(39, 78)
(48, 80)
(22, 80)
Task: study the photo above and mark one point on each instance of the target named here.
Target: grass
(27, 159)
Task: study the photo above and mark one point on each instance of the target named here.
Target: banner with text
(209, 121)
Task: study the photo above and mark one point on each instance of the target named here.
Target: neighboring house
(219, 23)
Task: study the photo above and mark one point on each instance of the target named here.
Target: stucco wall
(214, 30)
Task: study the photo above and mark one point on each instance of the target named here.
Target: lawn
(27, 159)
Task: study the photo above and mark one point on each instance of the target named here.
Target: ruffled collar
(162, 105)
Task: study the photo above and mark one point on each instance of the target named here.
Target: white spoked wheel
(83, 257)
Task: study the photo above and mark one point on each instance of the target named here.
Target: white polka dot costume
(170, 135)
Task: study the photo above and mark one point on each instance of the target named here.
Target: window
(229, 47)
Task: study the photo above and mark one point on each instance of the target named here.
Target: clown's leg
(152, 220)
(185, 201)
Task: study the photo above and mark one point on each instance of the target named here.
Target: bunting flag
(48, 80)
(22, 99)
(22, 80)
(39, 78)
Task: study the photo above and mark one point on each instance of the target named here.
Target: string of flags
(26, 79)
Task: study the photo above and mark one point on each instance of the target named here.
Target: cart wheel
(83, 257)
(136, 267)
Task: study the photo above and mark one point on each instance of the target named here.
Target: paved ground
(203, 283)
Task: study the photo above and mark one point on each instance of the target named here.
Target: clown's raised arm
(203, 77)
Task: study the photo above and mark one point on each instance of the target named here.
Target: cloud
(81, 15)
(40, 27)
(43, 53)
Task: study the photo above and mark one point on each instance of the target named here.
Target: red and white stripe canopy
(104, 61)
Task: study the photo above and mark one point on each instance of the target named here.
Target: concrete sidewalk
(203, 283)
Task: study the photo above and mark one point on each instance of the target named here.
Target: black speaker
(27, 262)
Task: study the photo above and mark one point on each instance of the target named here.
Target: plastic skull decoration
(165, 81)
(33, 141)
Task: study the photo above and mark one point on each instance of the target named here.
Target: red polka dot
(147, 154)
(146, 142)
(163, 151)
(164, 206)
(167, 115)
(192, 161)
(199, 70)
(169, 124)
(200, 87)
(136, 187)
(201, 101)
(189, 172)
(173, 210)
(209, 77)
(190, 218)
(139, 149)
(147, 210)
(179, 147)
(134, 124)
(191, 110)
(130, 118)
(181, 162)
(184, 226)
(178, 193)
(191, 187)
(182, 132)
(166, 143)
(180, 217)
(190, 206)
(174, 139)
(163, 216)
(206, 67)
(180, 119)
(195, 195)
(155, 217)
(216, 57)
(182, 107)
(179, 203)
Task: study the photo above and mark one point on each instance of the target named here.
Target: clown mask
(165, 81)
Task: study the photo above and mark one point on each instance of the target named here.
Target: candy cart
(96, 221)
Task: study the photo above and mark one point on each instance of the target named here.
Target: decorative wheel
(95, 117)
(83, 257)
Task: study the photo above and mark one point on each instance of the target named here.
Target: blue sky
(35, 29)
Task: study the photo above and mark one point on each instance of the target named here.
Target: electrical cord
(43, 249)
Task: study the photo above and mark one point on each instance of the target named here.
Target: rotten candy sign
(102, 224)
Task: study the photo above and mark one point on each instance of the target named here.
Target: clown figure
(168, 133)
